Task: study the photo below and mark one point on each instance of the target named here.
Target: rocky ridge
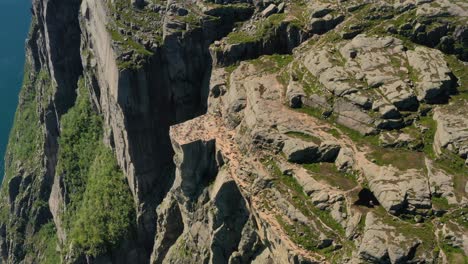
(242, 132)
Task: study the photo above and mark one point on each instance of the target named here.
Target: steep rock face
(213, 210)
(139, 104)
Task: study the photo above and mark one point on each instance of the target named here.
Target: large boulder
(434, 81)
(452, 133)
(383, 243)
(351, 116)
(398, 191)
(440, 182)
(294, 94)
(300, 151)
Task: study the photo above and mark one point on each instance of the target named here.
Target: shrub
(104, 217)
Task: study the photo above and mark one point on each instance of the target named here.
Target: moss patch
(264, 29)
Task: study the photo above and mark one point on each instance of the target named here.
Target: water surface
(15, 16)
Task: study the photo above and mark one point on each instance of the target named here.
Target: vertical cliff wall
(138, 104)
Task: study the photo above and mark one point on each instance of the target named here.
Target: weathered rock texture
(245, 131)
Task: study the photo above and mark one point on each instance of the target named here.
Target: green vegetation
(25, 136)
(281, 61)
(100, 210)
(81, 134)
(459, 216)
(183, 251)
(298, 9)
(423, 232)
(300, 234)
(264, 29)
(142, 23)
(440, 203)
(454, 255)
(456, 218)
(303, 136)
(271, 63)
(299, 199)
(25, 142)
(329, 173)
(460, 70)
(104, 217)
(127, 43)
(308, 80)
(24, 157)
(314, 112)
(45, 241)
(401, 159)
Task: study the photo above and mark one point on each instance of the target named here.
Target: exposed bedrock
(240, 131)
(139, 104)
(282, 39)
(451, 133)
(204, 207)
(266, 36)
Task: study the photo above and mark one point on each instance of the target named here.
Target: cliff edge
(240, 131)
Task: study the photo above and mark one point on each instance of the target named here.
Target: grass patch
(401, 159)
(303, 136)
(459, 216)
(314, 112)
(309, 82)
(455, 166)
(299, 199)
(330, 174)
(264, 30)
(423, 231)
(454, 255)
(440, 203)
(127, 43)
(24, 149)
(26, 134)
(300, 234)
(271, 63)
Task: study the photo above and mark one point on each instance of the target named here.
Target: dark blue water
(14, 24)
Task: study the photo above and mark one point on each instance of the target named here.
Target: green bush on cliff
(107, 208)
(24, 144)
(100, 206)
(45, 241)
(25, 136)
(81, 131)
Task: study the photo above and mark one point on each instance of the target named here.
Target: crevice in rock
(367, 199)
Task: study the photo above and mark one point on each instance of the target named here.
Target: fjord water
(14, 23)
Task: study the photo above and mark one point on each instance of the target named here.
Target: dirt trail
(209, 127)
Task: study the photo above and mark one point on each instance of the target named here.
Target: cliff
(240, 132)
